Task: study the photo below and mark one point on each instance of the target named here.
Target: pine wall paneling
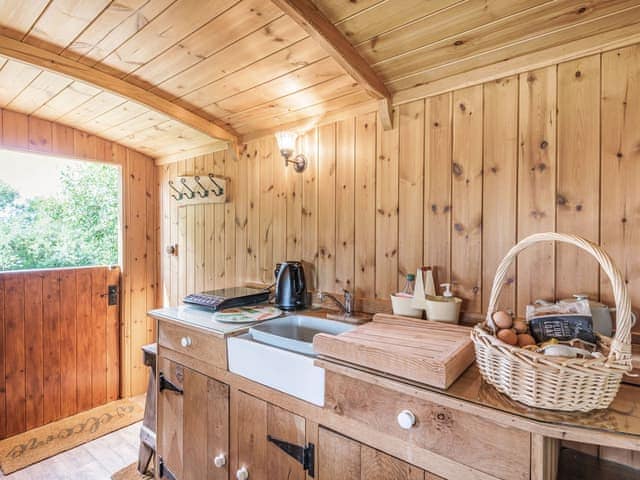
(460, 178)
(46, 363)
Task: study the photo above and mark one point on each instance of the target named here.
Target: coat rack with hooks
(196, 189)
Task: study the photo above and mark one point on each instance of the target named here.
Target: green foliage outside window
(77, 227)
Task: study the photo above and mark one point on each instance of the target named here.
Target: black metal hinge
(304, 455)
(165, 384)
(164, 471)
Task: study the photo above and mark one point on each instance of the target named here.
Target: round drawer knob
(242, 474)
(185, 342)
(220, 461)
(406, 419)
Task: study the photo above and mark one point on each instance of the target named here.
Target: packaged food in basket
(561, 321)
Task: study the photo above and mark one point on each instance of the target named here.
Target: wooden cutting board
(428, 352)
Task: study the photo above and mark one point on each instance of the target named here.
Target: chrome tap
(346, 307)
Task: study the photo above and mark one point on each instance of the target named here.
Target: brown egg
(502, 319)
(508, 336)
(520, 326)
(525, 339)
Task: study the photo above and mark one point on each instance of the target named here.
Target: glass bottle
(409, 286)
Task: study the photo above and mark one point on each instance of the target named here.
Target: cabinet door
(193, 426)
(341, 458)
(254, 421)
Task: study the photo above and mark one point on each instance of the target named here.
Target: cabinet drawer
(206, 347)
(465, 438)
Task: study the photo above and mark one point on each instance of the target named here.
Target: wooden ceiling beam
(320, 28)
(46, 60)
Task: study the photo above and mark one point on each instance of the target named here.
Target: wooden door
(254, 421)
(341, 458)
(59, 344)
(193, 424)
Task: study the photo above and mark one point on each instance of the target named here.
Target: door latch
(164, 384)
(112, 293)
(304, 455)
(164, 471)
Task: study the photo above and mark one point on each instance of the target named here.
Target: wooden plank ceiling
(247, 64)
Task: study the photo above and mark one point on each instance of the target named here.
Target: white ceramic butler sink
(279, 354)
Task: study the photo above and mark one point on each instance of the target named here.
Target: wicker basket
(557, 383)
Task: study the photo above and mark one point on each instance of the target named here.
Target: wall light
(286, 144)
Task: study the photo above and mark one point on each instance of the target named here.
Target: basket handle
(621, 344)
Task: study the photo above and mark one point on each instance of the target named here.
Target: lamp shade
(286, 140)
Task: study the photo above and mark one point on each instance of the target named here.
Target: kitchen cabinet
(262, 430)
(193, 424)
(341, 458)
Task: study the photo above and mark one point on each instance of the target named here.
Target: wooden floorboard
(96, 460)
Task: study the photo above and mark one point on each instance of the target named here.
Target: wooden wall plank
(84, 295)
(437, 186)
(40, 135)
(209, 234)
(113, 338)
(182, 253)
(241, 214)
(15, 359)
(265, 212)
(327, 207)
(174, 241)
(387, 206)
(219, 226)
(68, 338)
(536, 184)
(345, 204)
(34, 348)
(62, 140)
(202, 214)
(411, 188)
(15, 130)
(192, 243)
(294, 211)
(500, 185)
(98, 330)
(365, 205)
(164, 201)
(578, 198)
(280, 187)
(231, 172)
(620, 177)
(309, 231)
(466, 242)
(52, 347)
(253, 212)
(137, 230)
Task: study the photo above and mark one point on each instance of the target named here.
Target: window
(57, 212)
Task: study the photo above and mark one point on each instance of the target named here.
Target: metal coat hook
(203, 192)
(219, 191)
(184, 184)
(172, 187)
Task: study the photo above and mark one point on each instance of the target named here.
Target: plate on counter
(247, 314)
